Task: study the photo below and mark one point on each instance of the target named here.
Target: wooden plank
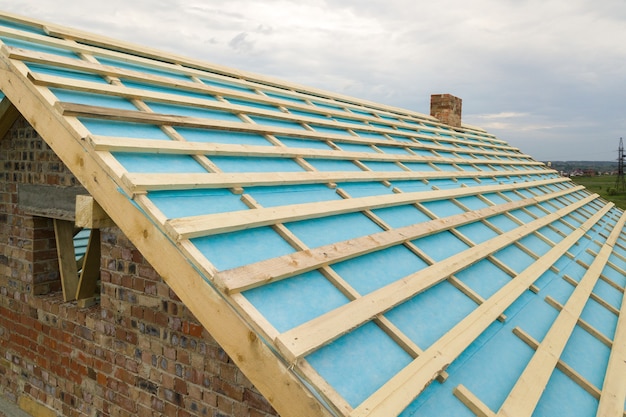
(90, 215)
(90, 273)
(114, 144)
(614, 387)
(472, 402)
(135, 93)
(526, 393)
(8, 116)
(83, 110)
(302, 340)
(64, 236)
(406, 385)
(582, 323)
(250, 276)
(285, 390)
(137, 182)
(203, 225)
(466, 132)
(562, 366)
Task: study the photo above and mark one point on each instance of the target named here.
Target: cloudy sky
(548, 76)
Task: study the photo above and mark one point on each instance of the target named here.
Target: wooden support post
(90, 272)
(64, 235)
(90, 215)
(8, 116)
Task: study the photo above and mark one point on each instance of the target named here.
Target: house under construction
(350, 258)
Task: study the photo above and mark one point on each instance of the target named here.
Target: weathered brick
(139, 352)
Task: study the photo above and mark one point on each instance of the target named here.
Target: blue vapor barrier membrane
(183, 203)
(253, 104)
(448, 155)
(514, 258)
(394, 150)
(373, 271)
(478, 232)
(328, 106)
(404, 139)
(252, 245)
(587, 355)
(66, 73)
(362, 112)
(14, 25)
(390, 118)
(141, 68)
(380, 125)
(287, 303)
(167, 90)
(304, 143)
(332, 229)
(284, 97)
(472, 202)
(565, 398)
(467, 167)
(370, 135)
(123, 129)
(365, 189)
(423, 152)
(266, 121)
(419, 166)
(313, 115)
(330, 165)
(252, 164)
(511, 195)
(32, 46)
(484, 278)
(440, 246)
(189, 111)
(502, 222)
(227, 85)
(400, 216)
(291, 194)
(443, 208)
(535, 244)
(555, 286)
(446, 167)
(350, 121)
(495, 198)
(600, 318)
(331, 130)
(382, 166)
(92, 99)
(439, 308)
(225, 137)
(349, 359)
(444, 184)
(411, 186)
(610, 294)
(159, 163)
(356, 147)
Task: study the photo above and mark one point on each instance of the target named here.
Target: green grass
(602, 184)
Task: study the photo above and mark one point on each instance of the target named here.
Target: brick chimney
(446, 108)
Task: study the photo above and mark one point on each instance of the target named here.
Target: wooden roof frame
(276, 361)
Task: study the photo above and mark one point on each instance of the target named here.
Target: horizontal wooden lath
(190, 227)
(391, 399)
(302, 340)
(252, 275)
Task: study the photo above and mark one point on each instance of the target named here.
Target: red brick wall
(446, 108)
(139, 352)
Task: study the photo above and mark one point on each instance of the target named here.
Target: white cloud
(534, 71)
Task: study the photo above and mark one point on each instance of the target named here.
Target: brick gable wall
(138, 352)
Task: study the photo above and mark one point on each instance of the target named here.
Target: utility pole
(620, 184)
